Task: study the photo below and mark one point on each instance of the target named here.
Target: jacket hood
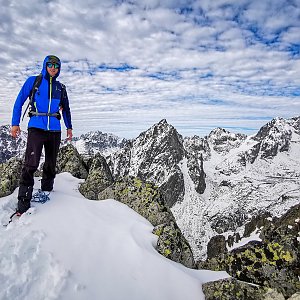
(50, 58)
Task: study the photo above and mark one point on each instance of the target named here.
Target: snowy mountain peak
(222, 141)
(159, 130)
(275, 137)
(96, 141)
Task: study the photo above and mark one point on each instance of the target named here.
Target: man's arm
(17, 110)
(66, 112)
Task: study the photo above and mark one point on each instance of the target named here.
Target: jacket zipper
(50, 96)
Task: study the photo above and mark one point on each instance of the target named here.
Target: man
(44, 128)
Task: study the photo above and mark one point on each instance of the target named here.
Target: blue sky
(129, 64)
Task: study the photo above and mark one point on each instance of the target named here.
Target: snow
(74, 248)
(253, 237)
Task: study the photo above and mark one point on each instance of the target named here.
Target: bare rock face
(216, 246)
(232, 289)
(69, 160)
(10, 175)
(98, 179)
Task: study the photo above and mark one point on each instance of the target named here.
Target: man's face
(52, 68)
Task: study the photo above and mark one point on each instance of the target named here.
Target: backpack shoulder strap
(35, 87)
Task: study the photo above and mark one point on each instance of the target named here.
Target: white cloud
(200, 64)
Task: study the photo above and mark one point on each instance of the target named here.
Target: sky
(107, 252)
(129, 64)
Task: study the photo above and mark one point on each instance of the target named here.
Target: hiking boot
(23, 206)
(47, 185)
(24, 198)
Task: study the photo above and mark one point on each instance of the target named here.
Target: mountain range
(214, 185)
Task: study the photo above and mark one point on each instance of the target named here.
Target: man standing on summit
(47, 98)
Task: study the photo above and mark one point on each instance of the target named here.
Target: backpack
(35, 88)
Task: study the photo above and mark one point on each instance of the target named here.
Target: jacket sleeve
(66, 112)
(23, 95)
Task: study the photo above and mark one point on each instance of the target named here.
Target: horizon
(184, 136)
(129, 64)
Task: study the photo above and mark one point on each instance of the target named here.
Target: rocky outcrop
(232, 289)
(146, 199)
(273, 262)
(216, 246)
(98, 179)
(69, 160)
(10, 175)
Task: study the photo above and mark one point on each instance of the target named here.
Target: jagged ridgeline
(208, 193)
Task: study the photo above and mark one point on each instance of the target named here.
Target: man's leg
(51, 151)
(32, 158)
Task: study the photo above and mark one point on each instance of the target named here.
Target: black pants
(37, 139)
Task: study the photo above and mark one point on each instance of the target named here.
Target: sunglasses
(55, 65)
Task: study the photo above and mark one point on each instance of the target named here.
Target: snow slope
(73, 248)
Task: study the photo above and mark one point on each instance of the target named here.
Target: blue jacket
(47, 100)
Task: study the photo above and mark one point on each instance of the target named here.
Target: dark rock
(69, 160)
(232, 289)
(258, 221)
(221, 223)
(173, 188)
(272, 138)
(10, 176)
(196, 172)
(172, 244)
(98, 179)
(274, 262)
(216, 246)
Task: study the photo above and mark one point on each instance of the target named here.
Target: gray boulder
(10, 175)
(98, 179)
(232, 289)
(69, 160)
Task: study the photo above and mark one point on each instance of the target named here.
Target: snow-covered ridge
(74, 248)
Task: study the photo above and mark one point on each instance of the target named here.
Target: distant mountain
(245, 177)
(155, 156)
(213, 184)
(9, 146)
(87, 144)
(93, 142)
